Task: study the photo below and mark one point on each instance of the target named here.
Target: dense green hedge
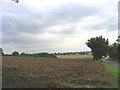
(15, 53)
(44, 55)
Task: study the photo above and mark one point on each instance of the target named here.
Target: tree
(23, 54)
(15, 53)
(113, 51)
(99, 46)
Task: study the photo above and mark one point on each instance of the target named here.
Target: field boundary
(112, 74)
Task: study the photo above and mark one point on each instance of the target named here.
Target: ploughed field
(35, 72)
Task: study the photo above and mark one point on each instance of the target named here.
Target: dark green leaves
(99, 46)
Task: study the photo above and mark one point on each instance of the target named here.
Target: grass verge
(111, 76)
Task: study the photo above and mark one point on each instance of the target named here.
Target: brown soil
(33, 72)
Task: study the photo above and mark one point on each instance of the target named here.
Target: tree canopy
(113, 51)
(99, 46)
(15, 53)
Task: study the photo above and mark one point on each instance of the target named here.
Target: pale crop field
(74, 56)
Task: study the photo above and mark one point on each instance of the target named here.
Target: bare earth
(33, 72)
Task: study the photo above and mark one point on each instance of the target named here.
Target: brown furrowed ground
(34, 72)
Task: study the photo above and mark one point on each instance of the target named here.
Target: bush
(99, 46)
(15, 53)
(44, 55)
(113, 51)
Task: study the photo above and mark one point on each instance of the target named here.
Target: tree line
(74, 53)
(16, 53)
(99, 47)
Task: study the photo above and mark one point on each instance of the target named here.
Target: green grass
(112, 75)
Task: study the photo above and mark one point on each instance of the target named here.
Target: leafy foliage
(44, 55)
(15, 53)
(38, 55)
(113, 51)
(99, 46)
(23, 54)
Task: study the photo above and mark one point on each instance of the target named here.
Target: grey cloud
(17, 42)
(74, 11)
(71, 12)
(20, 20)
(17, 19)
(67, 31)
(108, 25)
(22, 17)
(19, 39)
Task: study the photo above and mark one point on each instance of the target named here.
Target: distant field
(74, 56)
(35, 72)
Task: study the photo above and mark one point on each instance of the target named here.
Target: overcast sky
(56, 25)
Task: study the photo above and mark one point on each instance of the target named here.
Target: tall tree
(113, 51)
(99, 46)
(23, 54)
(15, 53)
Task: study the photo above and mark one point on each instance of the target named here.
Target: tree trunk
(94, 58)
